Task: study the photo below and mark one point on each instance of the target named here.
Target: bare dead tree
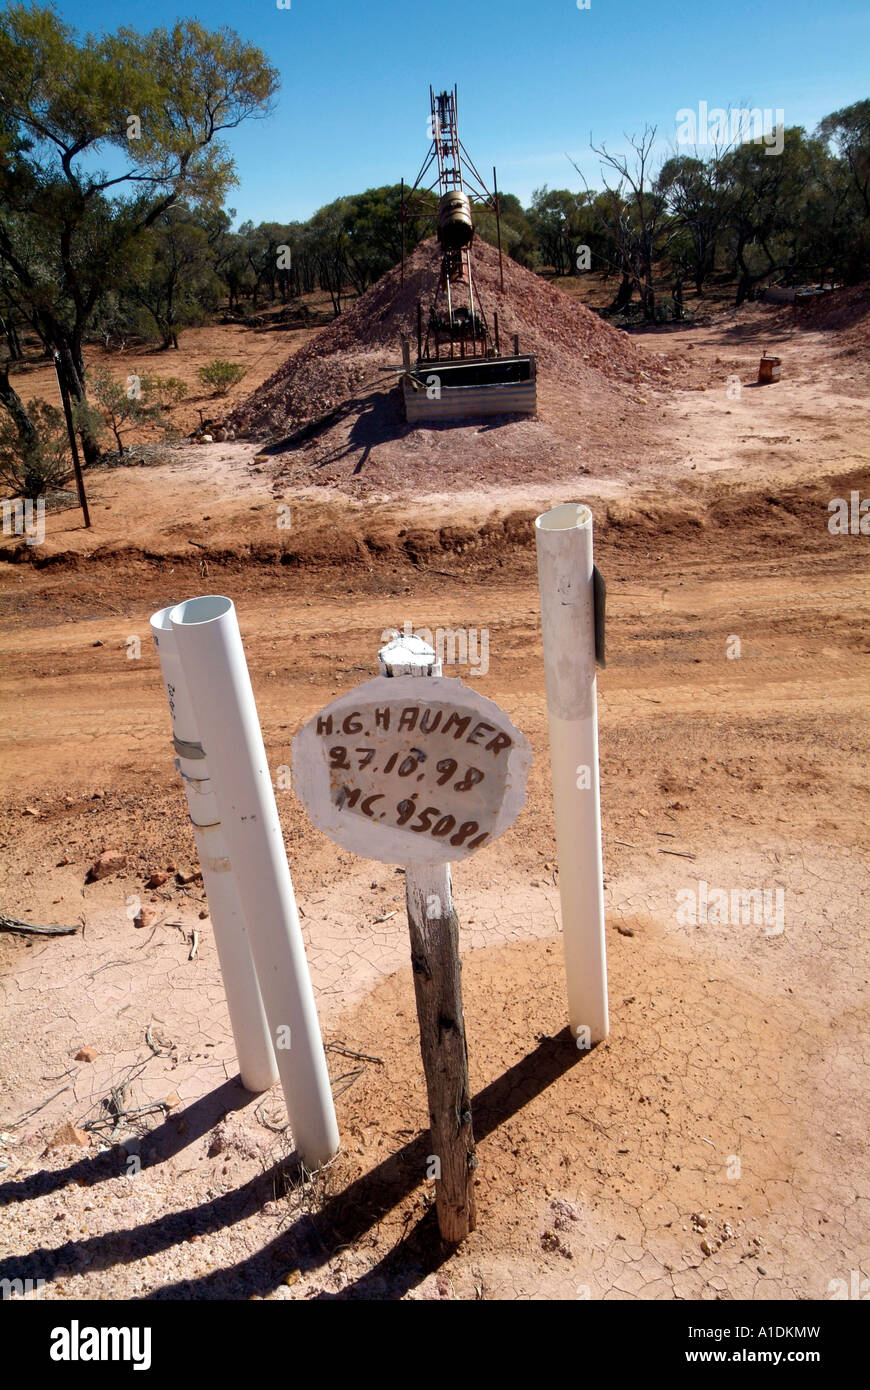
(638, 215)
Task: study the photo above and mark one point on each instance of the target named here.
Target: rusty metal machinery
(455, 225)
(461, 321)
(460, 372)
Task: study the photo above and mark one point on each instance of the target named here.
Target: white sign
(411, 770)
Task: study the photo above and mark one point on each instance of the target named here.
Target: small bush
(131, 404)
(221, 375)
(47, 464)
(163, 391)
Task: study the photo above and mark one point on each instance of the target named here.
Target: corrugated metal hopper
(444, 390)
(460, 372)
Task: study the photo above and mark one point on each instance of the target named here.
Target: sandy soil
(258, 349)
(714, 1146)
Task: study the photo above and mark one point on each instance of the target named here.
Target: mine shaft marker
(366, 769)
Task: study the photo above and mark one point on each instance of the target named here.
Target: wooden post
(498, 227)
(77, 468)
(434, 930)
(402, 220)
(497, 353)
(419, 331)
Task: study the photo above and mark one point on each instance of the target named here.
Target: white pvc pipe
(254, 1049)
(564, 545)
(213, 660)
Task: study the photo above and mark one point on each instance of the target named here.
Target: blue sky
(535, 77)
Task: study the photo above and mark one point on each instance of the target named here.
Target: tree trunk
(10, 399)
(8, 327)
(623, 295)
(72, 370)
(678, 297)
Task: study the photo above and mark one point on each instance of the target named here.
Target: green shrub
(47, 463)
(163, 391)
(131, 404)
(221, 375)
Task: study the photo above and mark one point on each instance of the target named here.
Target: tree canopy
(155, 105)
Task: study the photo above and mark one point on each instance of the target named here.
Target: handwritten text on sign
(411, 770)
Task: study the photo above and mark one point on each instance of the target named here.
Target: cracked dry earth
(713, 1147)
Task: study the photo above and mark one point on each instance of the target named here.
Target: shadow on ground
(314, 1238)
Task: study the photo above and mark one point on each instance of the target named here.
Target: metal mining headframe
(472, 377)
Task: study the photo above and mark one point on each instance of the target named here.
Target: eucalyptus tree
(100, 137)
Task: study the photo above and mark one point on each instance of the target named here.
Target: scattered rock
(144, 917)
(564, 1214)
(623, 930)
(219, 1142)
(172, 1100)
(706, 1247)
(30, 811)
(551, 1243)
(87, 1054)
(185, 876)
(231, 1137)
(109, 862)
(157, 880)
(68, 1136)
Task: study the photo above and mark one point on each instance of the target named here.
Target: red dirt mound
(840, 309)
(363, 345)
(844, 312)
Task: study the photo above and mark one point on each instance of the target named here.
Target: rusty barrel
(455, 227)
(768, 370)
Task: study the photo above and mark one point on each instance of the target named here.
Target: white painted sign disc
(411, 770)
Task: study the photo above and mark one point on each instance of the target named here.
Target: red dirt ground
(714, 1147)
